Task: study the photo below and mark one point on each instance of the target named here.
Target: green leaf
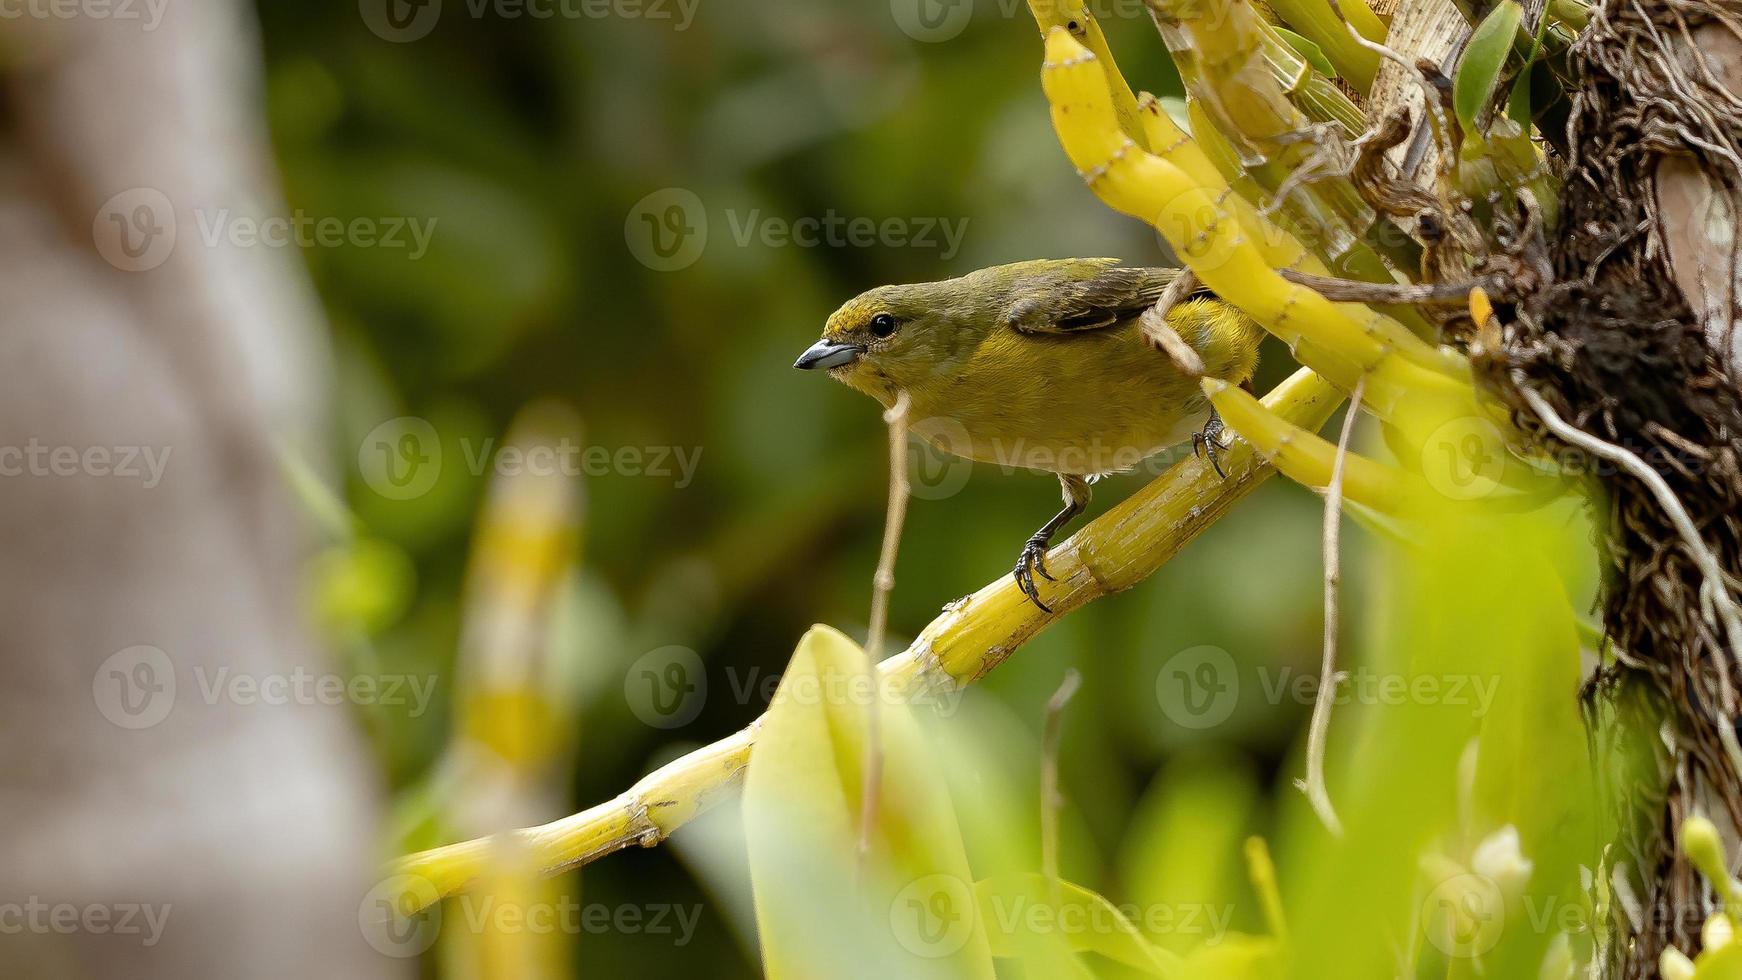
(1236, 958)
(1474, 653)
(1021, 913)
(909, 911)
(1722, 964)
(1518, 105)
(1313, 54)
(1483, 62)
(1183, 848)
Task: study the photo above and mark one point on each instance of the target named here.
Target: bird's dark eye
(882, 325)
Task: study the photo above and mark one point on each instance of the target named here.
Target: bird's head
(894, 338)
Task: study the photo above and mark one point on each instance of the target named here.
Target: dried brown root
(1613, 337)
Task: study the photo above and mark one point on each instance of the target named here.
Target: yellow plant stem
(1342, 341)
(973, 636)
(1304, 457)
(1073, 16)
(1167, 141)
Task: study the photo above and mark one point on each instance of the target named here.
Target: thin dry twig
(1050, 797)
(1329, 678)
(1440, 126)
(1162, 335)
(882, 584)
(1353, 291)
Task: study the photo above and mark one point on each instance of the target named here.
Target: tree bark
(150, 552)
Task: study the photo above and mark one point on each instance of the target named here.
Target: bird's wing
(1067, 303)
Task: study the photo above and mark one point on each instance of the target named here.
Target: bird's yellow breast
(1085, 403)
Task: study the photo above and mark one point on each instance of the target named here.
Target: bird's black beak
(827, 354)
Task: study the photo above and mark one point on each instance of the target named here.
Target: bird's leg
(1033, 557)
(1209, 442)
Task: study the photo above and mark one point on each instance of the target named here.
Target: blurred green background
(534, 144)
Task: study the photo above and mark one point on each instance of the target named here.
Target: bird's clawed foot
(1033, 559)
(1209, 442)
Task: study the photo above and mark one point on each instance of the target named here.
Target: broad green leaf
(1483, 62)
(908, 908)
(1518, 103)
(1723, 964)
(1236, 958)
(1466, 650)
(1518, 106)
(1183, 848)
(1020, 913)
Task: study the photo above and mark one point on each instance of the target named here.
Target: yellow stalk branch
(1342, 341)
(1238, 71)
(973, 636)
(1170, 143)
(1304, 457)
(1073, 16)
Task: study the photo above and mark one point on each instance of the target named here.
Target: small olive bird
(1040, 365)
